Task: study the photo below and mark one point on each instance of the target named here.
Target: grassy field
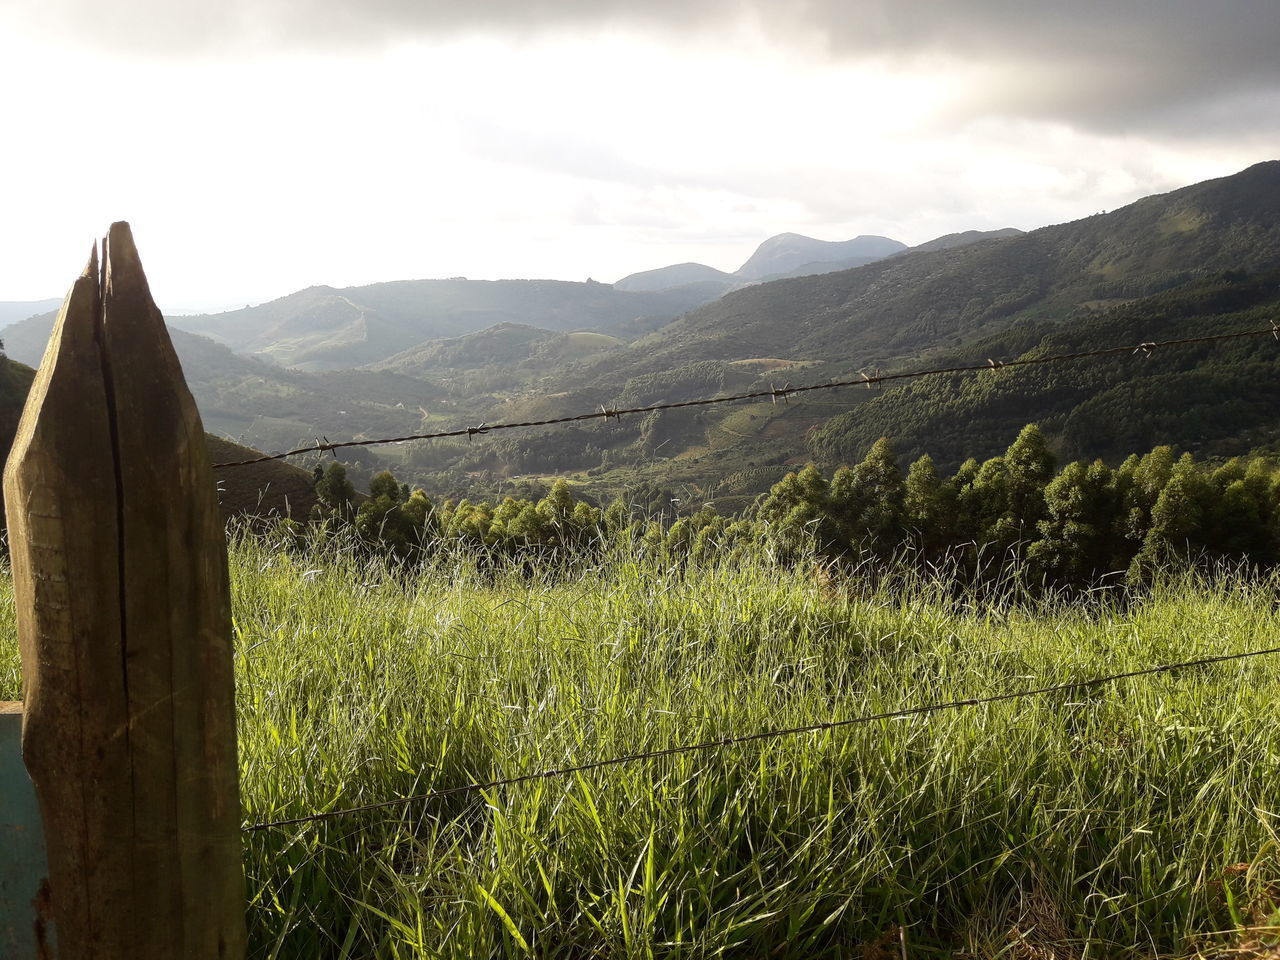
(1135, 820)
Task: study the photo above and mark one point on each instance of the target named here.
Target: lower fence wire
(763, 735)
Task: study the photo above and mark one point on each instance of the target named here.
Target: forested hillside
(1218, 399)
(497, 360)
(1203, 259)
(1200, 259)
(271, 407)
(323, 328)
(266, 488)
(897, 307)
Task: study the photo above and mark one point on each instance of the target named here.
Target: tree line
(1068, 526)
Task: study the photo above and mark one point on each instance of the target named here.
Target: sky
(261, 146)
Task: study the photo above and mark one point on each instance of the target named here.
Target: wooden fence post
(120, 581)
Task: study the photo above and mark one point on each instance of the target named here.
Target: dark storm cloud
(1105, 64)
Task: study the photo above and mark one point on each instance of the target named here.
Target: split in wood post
(120, 583)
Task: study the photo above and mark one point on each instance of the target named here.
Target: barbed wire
(775, 393)
(764, 735)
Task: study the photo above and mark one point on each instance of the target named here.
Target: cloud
(563, 137)
(1106, 64)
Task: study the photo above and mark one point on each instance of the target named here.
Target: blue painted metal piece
(26, 931)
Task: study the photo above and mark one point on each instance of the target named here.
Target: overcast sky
(260, 146)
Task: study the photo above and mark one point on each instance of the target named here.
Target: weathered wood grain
(60, 495)
(121, 585)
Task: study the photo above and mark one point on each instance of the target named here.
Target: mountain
(14, 310)
(1227, 394)
(786, 255)
(948, 242)
(1203, 258)
(272, 487)
(322, 328)
(273, 408)
(893, 309)
(25, 339)
(676, 275)
(780, 255)
(15, 383)
(497, 359)
(820, 266)
(952, 240)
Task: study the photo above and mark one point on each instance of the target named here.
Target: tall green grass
(1136, 819)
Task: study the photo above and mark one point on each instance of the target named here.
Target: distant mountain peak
(785, 252)
(676, 275)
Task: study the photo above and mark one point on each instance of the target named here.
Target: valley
(406, 357)
(640, 481)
